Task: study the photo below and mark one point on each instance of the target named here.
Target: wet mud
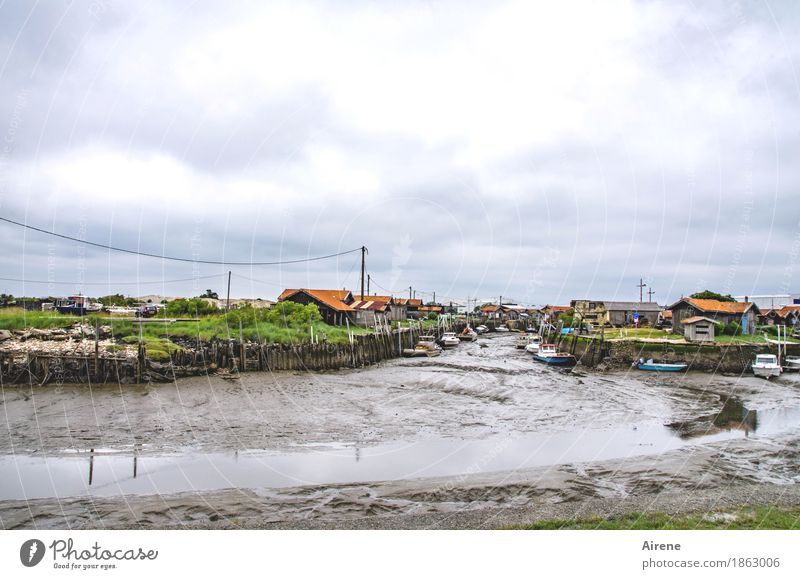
(479, 427)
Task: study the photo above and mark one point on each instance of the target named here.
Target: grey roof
(633, 306)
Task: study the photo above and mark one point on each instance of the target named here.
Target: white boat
(468, 335)
(501, 329)
(481, 329)
(532, 347)
(792, 363)
(524, 339)
(766, 366)
(449, 340)
(121, 311)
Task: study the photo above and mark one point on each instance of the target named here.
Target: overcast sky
(541, 152)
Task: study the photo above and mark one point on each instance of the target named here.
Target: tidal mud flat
(481, 429)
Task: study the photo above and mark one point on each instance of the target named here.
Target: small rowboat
(651, 366)
(468, 335)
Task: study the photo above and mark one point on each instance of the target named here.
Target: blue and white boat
(549, 354)
(650, 366)
(77, 305)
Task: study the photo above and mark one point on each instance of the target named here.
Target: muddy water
(482, 408)
(100, 473)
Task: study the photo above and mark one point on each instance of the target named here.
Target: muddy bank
(480, 427)
(709, 477)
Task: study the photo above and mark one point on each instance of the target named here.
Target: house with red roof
(743, 313)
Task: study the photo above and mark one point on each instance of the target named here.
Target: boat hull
(563, 361)
(766, 372)
(662, 367)
(73, 310)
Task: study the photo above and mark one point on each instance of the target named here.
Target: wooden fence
(198, 358)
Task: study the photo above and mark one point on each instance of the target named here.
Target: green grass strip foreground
(767, 518)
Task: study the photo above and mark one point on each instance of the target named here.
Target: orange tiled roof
(367, 297)
(721, 307)
(374, 305)
(786, 310)
(409, 302)
(334, 299)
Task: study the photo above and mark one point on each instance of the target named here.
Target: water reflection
(733, 416)
(114, 474)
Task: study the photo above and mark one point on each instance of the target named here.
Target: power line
(171, 258)
(153, 282)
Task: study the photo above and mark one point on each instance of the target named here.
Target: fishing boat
(549, 354)
(423, 348)
(791, 363)
(449, 340)
(533, 345)
(650, 366)
(766, 366)
(482, 329)
(77, 306)
(502, 329)
(522, 341)
(468, 335)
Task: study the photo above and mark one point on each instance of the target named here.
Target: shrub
(191, 307)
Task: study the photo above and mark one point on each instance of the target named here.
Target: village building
(743, 313)
(334, 305)
(785, 316)
(614, 313)
(371, 311)
(699, 329)
(550, 313)
(411, 306)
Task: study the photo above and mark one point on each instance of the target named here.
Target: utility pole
(363, 259)
(368, 279)
(434, 298)
(650, 294)
(641, 286)
(409, 292)
(228, 300)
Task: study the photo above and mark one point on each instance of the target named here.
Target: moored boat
(533, 345)
(468, 335)
(77, 305)
(524, 339)
(651, 366)
(423, 348)
(449, 340)
(766, 366)
(792, 363)
(549, 354)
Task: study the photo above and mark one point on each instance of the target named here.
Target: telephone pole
(363, 259)
(409, 292)
(641, 286)
(368, 279)
(650, 293)
(228, 300)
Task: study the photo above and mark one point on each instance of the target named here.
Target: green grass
(206, 328)
(639, 333)
(743, 518)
